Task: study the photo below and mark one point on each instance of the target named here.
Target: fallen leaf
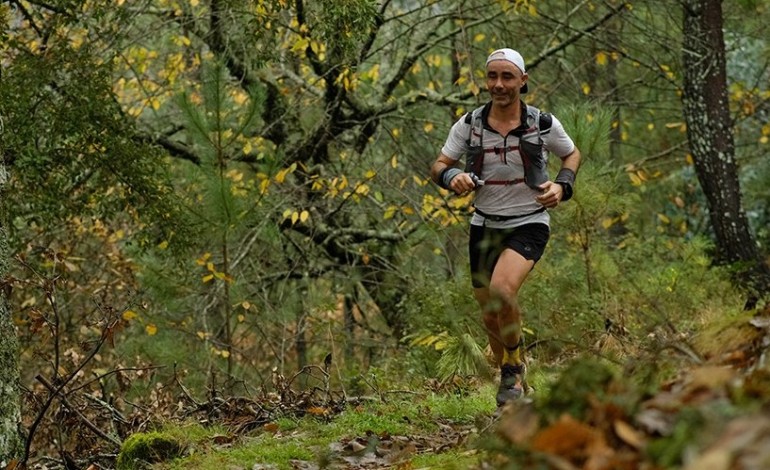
(629, 434)
(710, 377)
(655, 421)
(569, 438)
(222, 439)
(763, 323)
(271, 427)
(718, 459)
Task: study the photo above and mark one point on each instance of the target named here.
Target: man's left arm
(560, 189)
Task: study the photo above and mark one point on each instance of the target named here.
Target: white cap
(511, 56)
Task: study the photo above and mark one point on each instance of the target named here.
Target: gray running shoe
(512, 384)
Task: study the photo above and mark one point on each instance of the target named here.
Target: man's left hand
(552, 194)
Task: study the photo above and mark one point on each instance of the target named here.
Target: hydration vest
(532, 157)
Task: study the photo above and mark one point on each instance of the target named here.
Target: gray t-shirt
(502, 162)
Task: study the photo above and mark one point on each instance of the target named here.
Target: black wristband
(566, 178)
(447, 175)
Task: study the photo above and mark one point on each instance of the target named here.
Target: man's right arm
(445, 173)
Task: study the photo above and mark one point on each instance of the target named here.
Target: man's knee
(504, 293)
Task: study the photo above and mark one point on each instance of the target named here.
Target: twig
(184, 389)
(54, 392)
(115, 412)
(89, 424)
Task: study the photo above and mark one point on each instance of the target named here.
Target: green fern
(462, 356)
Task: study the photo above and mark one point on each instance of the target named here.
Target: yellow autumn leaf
(396, 133)
(370, 174)
(373, 73)
(763, 139)
(688, 159)
(650, 126)
(601, 58)
(129, 315)
(207, 278)
(635, 180)
(235, 175)
(163, 245)
(428, 127)
(663, 218)
(210, 266)
(151, 329)
(479, 37)
(608, 222)
(300, 44)
(201, 335)
(303, 216)
(280, 177)
(263, 186)
(586, 88)
(246, 304)
(225, 354)
(241, 318)
(240, 97)
(390, 212)
(294, 217)
(394, 161)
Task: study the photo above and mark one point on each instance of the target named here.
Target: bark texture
(710, 136)
(10, 443)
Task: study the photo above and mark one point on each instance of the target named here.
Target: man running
(508, 142)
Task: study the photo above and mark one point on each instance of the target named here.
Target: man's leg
(499, 302)
(489, 315)
(510, 273)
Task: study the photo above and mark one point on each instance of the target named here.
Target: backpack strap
(543, 122)
(474, 158)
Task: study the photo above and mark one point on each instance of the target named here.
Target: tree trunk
(710, 136)
(10, 405)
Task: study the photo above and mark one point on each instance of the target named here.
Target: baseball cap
(511, 56)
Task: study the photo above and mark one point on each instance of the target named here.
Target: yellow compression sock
(512, 355)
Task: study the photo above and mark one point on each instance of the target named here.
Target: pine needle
(462, 356)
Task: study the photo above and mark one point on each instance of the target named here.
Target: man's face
(504, 82)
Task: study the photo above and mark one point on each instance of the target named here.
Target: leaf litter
(683, 424)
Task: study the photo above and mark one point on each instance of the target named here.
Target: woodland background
(206, 201)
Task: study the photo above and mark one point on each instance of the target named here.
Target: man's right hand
(464, 183)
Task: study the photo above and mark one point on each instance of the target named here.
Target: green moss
(142, 449)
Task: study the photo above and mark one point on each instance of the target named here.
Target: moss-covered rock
(142, 449)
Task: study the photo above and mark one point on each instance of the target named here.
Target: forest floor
(709, 413)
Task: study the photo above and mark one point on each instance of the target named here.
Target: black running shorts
(486, 244)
